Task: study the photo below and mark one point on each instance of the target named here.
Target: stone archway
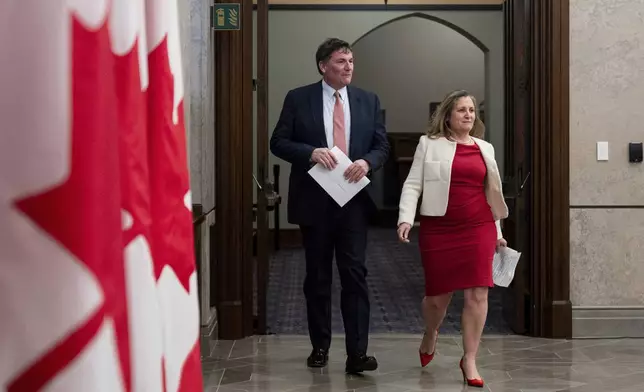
(432, 18)
(411, 62)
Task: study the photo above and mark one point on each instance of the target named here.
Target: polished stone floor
(507, 363)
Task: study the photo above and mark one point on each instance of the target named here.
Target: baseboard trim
(607, 322)
(208, 329)
(208, 334)
(289, 238)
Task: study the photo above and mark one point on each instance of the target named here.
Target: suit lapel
(317, 110)
(446, 151)
(354, 102)
(490, 163)
(484, 152)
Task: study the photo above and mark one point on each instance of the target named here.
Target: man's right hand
(325, 157)
(403, 232)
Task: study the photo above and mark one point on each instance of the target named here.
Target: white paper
(333, 181)
(503, 266)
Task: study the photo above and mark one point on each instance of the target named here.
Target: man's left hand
(356, 171)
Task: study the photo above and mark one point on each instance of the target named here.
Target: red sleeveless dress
(457, 249)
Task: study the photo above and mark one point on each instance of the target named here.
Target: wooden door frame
(550, 184)
(233, 108)
(537, 145)
(548, 187)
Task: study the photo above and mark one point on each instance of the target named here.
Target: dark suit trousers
(343, 230)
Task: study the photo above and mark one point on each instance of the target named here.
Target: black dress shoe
(360, 363)
(318, 358)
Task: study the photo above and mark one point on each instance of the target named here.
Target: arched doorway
(537, 53)
(410, 61)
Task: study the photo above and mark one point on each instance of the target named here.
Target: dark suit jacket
(300, 130)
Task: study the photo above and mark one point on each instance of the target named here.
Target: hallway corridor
(508, 364)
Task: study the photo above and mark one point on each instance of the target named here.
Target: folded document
(333, 182)
(503, 266)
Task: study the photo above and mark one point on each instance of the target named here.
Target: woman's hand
(501, 243)
(403, 232)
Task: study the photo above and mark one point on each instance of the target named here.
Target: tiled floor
(507, 363)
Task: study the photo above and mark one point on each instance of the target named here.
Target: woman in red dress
(456, 177)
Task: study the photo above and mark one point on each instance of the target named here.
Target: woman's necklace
(468, 141)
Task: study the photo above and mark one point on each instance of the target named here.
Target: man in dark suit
(315, 118)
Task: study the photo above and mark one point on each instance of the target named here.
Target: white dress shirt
(328, 100)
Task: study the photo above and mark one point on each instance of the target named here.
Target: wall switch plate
(602, 151)
(635, 152)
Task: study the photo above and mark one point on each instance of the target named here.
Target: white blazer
(430, 176)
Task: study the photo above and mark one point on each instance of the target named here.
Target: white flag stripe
(34, 77)
(48, 292)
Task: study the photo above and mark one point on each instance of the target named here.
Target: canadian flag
(98, 288)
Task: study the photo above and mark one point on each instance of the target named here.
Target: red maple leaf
(83, 213)
(172, 230)
(126, 152)
(172, 233)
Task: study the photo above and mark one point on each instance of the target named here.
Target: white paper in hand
(333, 181)
(503, 266)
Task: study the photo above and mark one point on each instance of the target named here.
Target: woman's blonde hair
(439, 123)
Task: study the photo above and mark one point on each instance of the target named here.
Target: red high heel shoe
(474, 382)
(425, 358)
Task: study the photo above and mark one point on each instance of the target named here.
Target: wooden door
(265, 189)
(517, 298)
(233, 105)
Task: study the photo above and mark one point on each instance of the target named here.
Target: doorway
(536, 66)
(424, 57)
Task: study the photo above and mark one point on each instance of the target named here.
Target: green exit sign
(226, 16)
